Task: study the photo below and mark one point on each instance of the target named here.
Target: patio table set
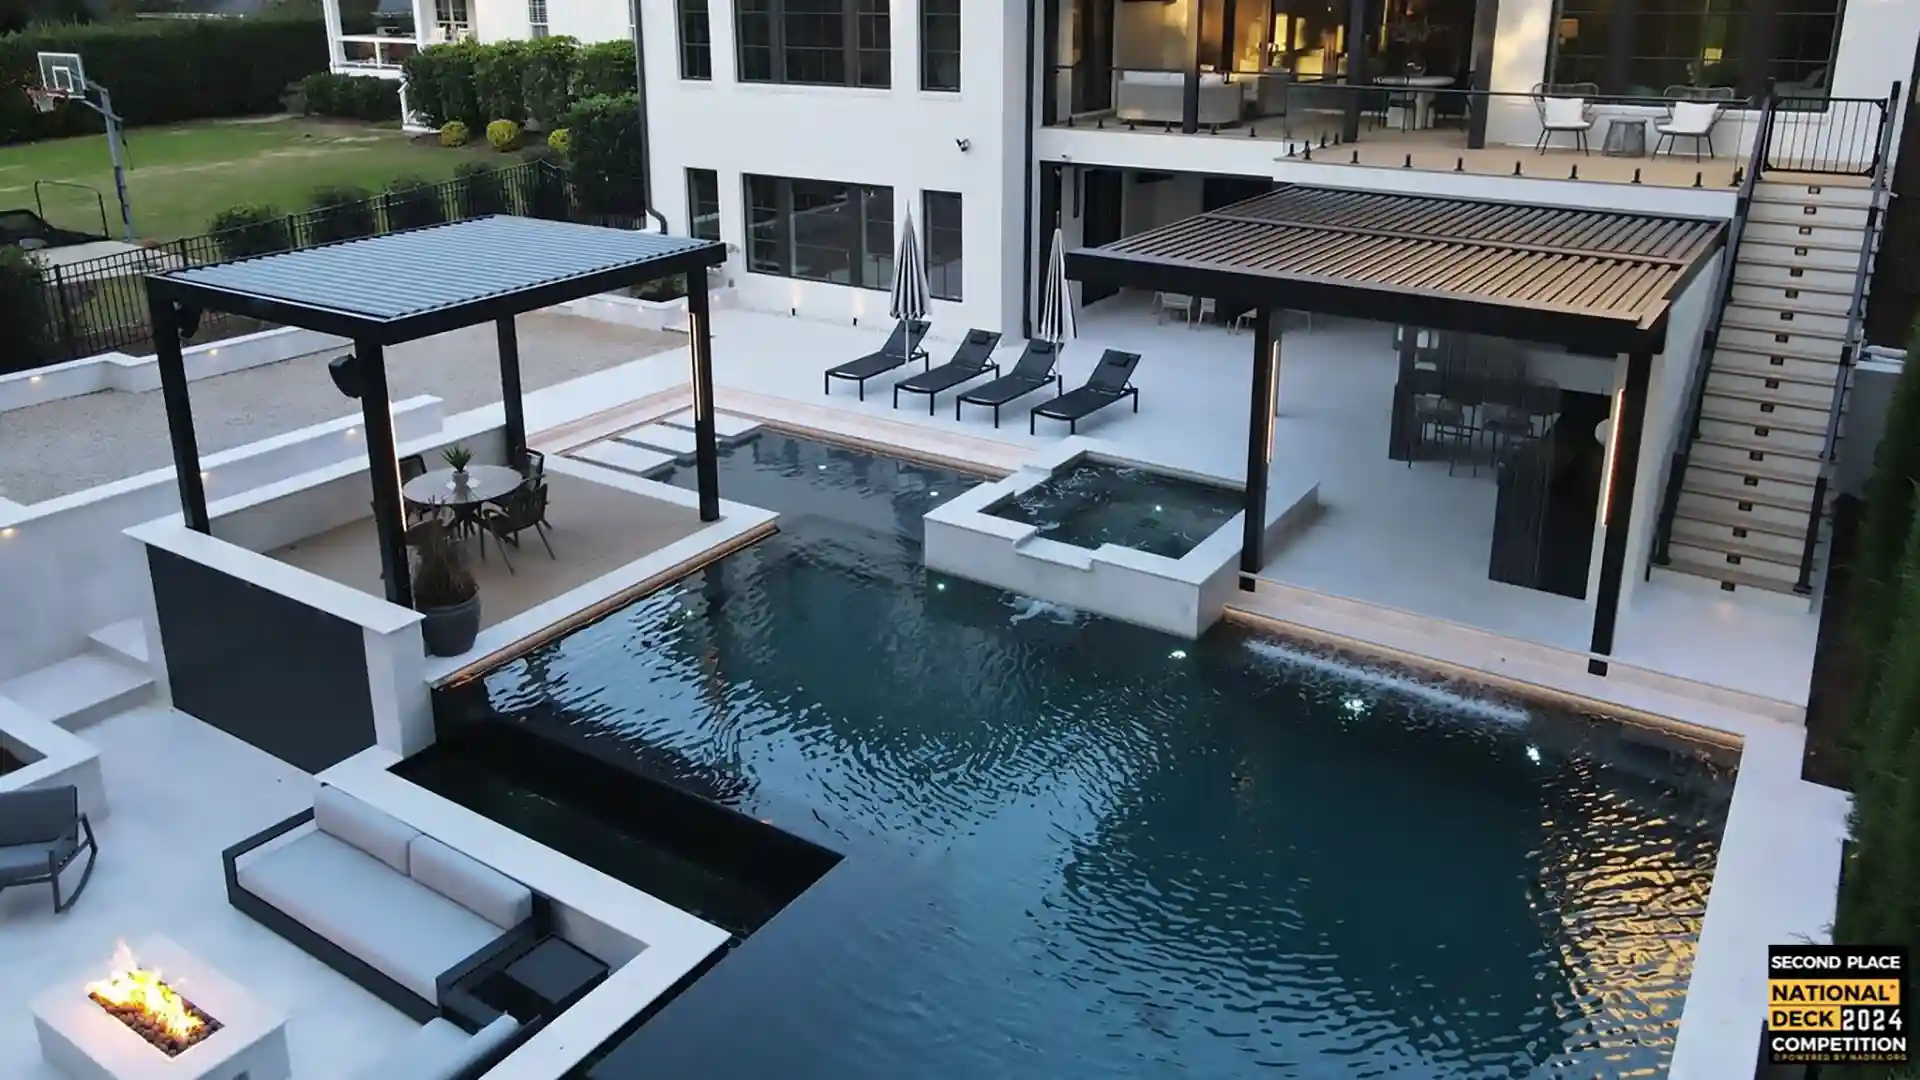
(483, 500)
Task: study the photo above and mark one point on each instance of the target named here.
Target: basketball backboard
(61, 73)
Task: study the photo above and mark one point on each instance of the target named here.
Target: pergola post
(1260, 418)
(1617, 503)
(1357, 74)
(509, 348)
(1190, 83)
(706, 455)
(383, 467)
(179, 404)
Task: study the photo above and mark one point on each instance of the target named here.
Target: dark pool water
(1094, 851)
(1094, 502)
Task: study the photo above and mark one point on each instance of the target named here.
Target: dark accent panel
(270, 671)
(1260, 405)
(1893, 302)
(1100, 222)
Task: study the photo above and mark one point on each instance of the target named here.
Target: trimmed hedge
(355, 97)
(342, 213)
(413, 202)
(605, 69)
(442, 86)
(603, 148)
(240, 231)
(526, 82)
(498, 72)
(163, 71)
(547, 80)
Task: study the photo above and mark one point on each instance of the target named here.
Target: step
(1777, 360)
(1848, 240)
(124, 641)
(1729, 578)
(1792, 298)
(618, 455)
(727, 428)
(1742, 595)
(1775, 189)
(1781, 572)
(1771, 343)
(1800, 419)
(1778, 546)
(1757, 265)
(1808, 255)
(1705, 478)
(1772, 208)
(1787, 320)
(1735, 453)
(674, 440)
(1771, 386)
(1703, 506)
(1746, 433)
(79, 690)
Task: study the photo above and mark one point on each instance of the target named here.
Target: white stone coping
(670, 942)
(736, 521)
(53, 757)
(248, 1026)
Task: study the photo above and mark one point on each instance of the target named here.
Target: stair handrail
(1851, 342)
(1710, 340)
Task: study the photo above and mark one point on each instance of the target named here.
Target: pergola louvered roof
(1594, 279)
(402, 285)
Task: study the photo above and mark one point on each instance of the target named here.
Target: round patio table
(1422, 87)
(484, 484)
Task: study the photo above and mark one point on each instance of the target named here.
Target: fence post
(64, 313)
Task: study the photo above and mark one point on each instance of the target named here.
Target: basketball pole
(105, 109)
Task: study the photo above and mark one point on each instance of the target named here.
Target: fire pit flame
(145, 1003)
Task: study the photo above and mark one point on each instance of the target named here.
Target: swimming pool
(1093, 502)
(1076, 848)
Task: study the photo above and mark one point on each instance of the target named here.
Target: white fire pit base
(86, 1042)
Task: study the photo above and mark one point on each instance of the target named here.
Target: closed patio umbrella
(911, 297)
(1057, 321)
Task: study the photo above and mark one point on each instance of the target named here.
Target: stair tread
(1766, 351)
(1756, 469)
(1741, 494)
(1802, 198)
(1758, 368)
(1765, 397)
(618, 455)
(1733, 443)
(1731, 574)
(1757, 283)
(1779, 326)
(1738, 521)
(1736, 547)
(73, 685)
(1769, 422)
(1796, 242)
(126, 638)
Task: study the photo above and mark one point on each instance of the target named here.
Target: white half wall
(141, 374)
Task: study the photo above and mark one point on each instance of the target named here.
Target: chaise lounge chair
(891, 355)
(1111, 380)
(971, 360)
(1033, 371)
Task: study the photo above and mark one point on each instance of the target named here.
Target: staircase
(1747, 499)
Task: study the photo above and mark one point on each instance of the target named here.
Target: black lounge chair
(891, 355)
(971, 360)
(1110, 381)
(1033, 371)
(42, 832)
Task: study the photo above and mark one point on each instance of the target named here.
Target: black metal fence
(1833, 136)
(100, 305)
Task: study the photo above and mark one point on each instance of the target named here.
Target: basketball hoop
(43, 99)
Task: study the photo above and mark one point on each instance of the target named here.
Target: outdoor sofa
(398, 912)
(1158, 97)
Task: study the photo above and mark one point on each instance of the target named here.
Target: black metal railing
(100, 305)
(1697, 390)
(1828, 136)
(1851, 344)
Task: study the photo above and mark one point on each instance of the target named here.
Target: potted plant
(443, 589)
(457, 458)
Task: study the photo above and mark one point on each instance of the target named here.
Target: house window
(942, 216)
(1642, 47)
(820, 230)
(696, 41)
(703, 204)
(940, 44)
(817, 42)
(537, 18)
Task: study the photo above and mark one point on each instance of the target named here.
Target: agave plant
(440, 575)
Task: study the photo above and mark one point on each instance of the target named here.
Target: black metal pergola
(1598, 282)
(403, 286)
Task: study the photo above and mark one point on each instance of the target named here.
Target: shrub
(341, 213)
(604, 149)
(375, 100)
(604, 70)
(356, 97)
(503, 135)
(478, 190)
(241, 231)
(558, 140)
(31, 340)
(320, 94)
(547, 79)
(163, 70)
(413, 202)
(441, 84)
(498, 74)
(454, 133)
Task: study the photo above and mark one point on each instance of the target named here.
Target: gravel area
(67, 446)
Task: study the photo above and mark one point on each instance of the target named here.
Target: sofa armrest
(230, 858)
(454, 987)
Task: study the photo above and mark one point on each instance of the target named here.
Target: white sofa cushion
(1566, 113)
(380, 835)
(475, 886)
(438, 1051)
(1154, 78)
(1693, 117)
(398, 926)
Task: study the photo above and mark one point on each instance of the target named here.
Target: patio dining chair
(1564, 110)
(42, 832)
(522, 509)
(1169, 303)
(1691, 114)
(535, 469)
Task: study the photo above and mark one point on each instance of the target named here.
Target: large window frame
(815, 42)
(696, 40)
(942, 214)
(703, 204)
(940, 45)
(537, 26)
(829, 231)
(1642, 47)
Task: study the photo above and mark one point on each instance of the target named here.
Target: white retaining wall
(140, 374)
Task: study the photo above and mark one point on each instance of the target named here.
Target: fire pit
(159, 1014)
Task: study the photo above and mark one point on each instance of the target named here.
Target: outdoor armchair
(42, 832)
(524, 508)
(1691, 114)
(1564, 110)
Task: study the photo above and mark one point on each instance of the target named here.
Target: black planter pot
(449, 631)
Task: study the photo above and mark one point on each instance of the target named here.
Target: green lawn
(181, 176)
